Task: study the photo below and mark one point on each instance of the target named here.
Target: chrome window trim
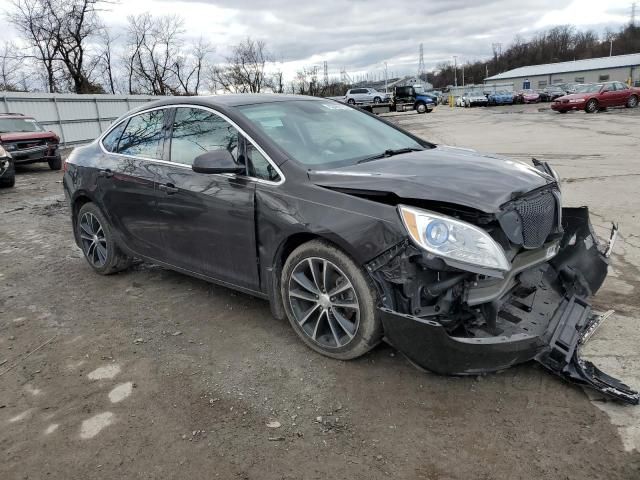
(208, 109)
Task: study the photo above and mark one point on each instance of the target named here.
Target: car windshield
(588, 88)
(326, 133)
(19, 125)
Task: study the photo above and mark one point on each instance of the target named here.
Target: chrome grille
(538, 215)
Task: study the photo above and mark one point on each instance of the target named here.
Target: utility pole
(326, 73)
(610, 46)
(386, 78)
(455, 71)
(633, 14)
(463, 75)
(421, 68)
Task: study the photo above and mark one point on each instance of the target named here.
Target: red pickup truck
(26, 141)
(596, 96)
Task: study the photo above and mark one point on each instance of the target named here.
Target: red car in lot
(596, 96)
(26, 141)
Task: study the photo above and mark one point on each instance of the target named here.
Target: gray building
(622, 68)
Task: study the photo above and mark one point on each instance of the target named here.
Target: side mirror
(216, 161)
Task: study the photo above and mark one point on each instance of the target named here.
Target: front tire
(421, 107)
(55, 163)
(8, 179)
(632, 102)
(330, 301)
(97, 241)
(351, 101)
(591, 106)
(377, 100)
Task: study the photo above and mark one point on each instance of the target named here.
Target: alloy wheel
(592, 106)
(633, 101)
(324, 302)
(94, 242)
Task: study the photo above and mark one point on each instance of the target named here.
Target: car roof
(233, 100)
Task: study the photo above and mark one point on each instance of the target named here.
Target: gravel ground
(152, 374)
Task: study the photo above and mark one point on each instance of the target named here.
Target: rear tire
(591, 106)
(55, 163)
(632, 102)
(319, 319)
(98, 243)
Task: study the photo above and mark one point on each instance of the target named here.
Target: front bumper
(548, 323)
(36, 154)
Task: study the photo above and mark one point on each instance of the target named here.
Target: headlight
(447, 237)
(3, 152)
(575, 100)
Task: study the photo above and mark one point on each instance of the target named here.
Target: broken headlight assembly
(449, 238)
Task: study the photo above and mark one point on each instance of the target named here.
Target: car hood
(17, 136)
(444, 174)
(580, 96)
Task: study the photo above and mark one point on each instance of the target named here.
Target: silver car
(365, 95)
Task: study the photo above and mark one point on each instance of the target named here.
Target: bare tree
(76, 21)
(189, 67)
(11, 67)
(105, 60)
(31, 19)
(154, 46)
(244, 69)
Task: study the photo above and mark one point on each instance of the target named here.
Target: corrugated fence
(75, 118)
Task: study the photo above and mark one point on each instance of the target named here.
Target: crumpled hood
(444, 174)
(21, 136)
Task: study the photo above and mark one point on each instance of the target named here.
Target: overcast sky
(360, 35)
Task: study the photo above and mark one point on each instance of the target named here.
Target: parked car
(365, 95)
(472, 99)
(354, 229)
(527, 96)
(500, 98)
(597, 96)
(29, 142)
(549, 94)
(7, 169)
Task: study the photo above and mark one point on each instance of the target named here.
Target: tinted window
(143, 136)
(259, 166)
(110, 141)
(197, 131)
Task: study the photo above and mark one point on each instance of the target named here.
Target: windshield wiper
(390, 153)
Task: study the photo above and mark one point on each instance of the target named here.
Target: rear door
(126, 179)
(623, 92)
(206, 221)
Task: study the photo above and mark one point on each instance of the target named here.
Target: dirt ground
(152, 374)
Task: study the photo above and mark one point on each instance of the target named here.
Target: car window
(197, 131)
(19, 125)
(259, 166)
(111, 140)
(620, 86)
(144, 135)
(324, 132)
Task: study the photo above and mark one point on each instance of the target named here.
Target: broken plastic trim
(570, 331)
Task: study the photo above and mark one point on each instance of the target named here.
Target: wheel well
(79, 202)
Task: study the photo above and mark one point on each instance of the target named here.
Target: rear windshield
(19, 125)
(325, 132)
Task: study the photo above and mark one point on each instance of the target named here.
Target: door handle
(168, 188)
(105, 173)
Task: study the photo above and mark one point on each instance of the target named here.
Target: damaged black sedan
(353, 229)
